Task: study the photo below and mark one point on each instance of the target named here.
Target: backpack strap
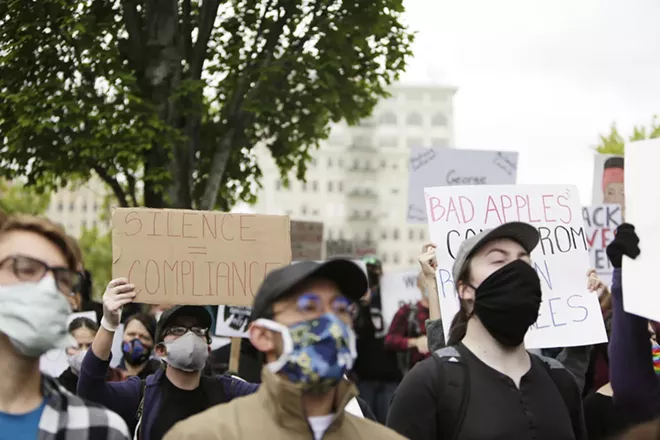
(559, 375)
(453, 393)
(140, 410)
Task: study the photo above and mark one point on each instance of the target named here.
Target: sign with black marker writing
(398, 288)
(177, 256)
(432, 167)
(600, 223)
(232, 321)
(569, 315)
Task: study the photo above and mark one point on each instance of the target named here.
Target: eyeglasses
(180, 330)
(311, 303)
(29, 269)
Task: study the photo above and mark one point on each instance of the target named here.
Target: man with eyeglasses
(302, 322)
(37, 274)
(151, 407)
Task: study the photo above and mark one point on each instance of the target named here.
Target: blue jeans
(378, 395)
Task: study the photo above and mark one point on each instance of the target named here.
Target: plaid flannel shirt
(399, 332)
(68, 417)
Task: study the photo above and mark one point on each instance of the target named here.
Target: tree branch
(133, 23)
(113, 184)
(132, 194)
(208, 13)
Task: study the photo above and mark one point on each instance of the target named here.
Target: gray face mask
(187, 353)
(33, 316)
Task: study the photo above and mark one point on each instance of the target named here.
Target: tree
(96, 248)
(166, 100)
(614, 143)
(16, 198)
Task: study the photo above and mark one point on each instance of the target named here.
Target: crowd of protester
(319, 362)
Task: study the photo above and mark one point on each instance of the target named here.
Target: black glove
(626, 242)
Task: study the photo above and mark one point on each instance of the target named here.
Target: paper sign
(600, 223)
(640, 297)
(89, 315)
(608, 180)
(398, 288)
(232, 321)
(430, 167)
(197, 257)
(569, 315)
(306, 240)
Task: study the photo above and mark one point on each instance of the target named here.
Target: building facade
(357, 183)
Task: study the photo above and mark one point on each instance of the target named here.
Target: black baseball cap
(168, 317)
(348, 276)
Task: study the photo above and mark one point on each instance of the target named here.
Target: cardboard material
(306, 240)
(569, 315)
(197, 257)
(640, 297)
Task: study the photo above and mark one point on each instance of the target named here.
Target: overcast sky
(541, 77)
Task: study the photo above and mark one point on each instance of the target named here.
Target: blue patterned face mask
(316, 354)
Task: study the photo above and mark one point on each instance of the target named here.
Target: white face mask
(75, 361)
(187, 353)
(33, 316)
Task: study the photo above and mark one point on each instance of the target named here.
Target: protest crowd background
(158, 281)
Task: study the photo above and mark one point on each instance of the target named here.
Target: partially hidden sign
(306, 240)
(197, 257)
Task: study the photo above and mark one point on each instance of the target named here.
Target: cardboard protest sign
(232, 321)
(430, 167)
(176, 256)
(608, 186)
(569, 315)
(600, 223)
(398, 288)
(306, 240)
(640, 297)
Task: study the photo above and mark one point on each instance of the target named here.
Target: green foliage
(18, 199)
(167, 100)
(97, 254)
(614, 143)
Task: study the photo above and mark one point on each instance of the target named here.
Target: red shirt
(400, 331)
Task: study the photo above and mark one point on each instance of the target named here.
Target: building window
(395, 235)
(60, 206)
(415, 142)
(96, 206)
(289, 212)
(94, 224)
(367, 235)
(439, 143)
(72, 207)
(422, 235)
(315, 186)
(411, 261)
(414, 119)
(411, 234)
(368, 213)
(340, 186)
(330, 186)
(304, 186)
(383, 235)
(313, 162)
(395, 166)
(388, 118)
(383, 258)
(84, 206)
(278, 185)
(340, 163)
(329, 162)
(396, 258)
(303, 210)
(387, 142)
(315, 213)
(383, 164)
(356, 164)
(340, 235)
(439, 120)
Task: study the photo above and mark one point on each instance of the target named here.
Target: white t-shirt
(320, 424)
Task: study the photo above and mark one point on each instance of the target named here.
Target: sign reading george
(176, 256)
(306, 240)
(569, 315)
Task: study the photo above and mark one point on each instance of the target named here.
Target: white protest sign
(396, 289)
(600, 223)
(232, 321)
(89, 315)
(643, 211)
(429, 167)
(569, 315)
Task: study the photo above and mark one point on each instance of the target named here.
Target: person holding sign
(302, 322)
(38, 271)
(151, 407)
(486, 383)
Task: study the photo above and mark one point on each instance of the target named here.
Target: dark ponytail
(460, 321)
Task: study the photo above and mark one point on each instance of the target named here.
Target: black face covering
(508, 301)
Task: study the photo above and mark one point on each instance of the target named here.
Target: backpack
(404, 359)
(453, 401)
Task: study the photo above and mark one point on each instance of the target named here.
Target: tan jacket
(275, 412)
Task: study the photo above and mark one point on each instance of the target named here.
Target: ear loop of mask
(287, 341)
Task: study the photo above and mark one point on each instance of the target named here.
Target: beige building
(357, 183)
(80, 208)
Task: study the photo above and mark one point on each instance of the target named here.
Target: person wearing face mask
(173, 393)
(302, 322)
(83, 331)
(407, 332)
(484, 383)
(37, 273)
(137, 346)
